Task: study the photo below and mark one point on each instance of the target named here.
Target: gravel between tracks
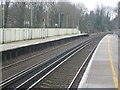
(63, 75)
(19, 67)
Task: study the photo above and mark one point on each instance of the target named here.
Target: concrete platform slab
(102, 70)
(13, 45)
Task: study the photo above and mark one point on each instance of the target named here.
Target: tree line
(56, 15)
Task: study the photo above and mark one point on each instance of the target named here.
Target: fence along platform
(17, 34)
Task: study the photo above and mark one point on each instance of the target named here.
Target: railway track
(10, 69)
(75, 81)
(33, 75)
(69, 73)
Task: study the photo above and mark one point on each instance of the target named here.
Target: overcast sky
(91, 4)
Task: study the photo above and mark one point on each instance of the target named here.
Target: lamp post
(3, 17)
(31, 19)
(56, 26)
(44, 25)
(1, 14)
(59, 20)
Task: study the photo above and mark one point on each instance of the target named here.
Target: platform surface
(102, 70)
(13, 45)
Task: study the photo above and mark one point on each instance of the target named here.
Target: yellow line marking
(115, 78)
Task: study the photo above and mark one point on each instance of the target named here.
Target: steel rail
(40, 79)
(85, 63)
(54, 68)
(58, 61)
(23, 60)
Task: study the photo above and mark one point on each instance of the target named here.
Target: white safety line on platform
(85, 75)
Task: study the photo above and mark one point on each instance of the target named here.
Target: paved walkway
(18, 44)
(102, 71)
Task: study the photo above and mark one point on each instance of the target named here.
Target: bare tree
(6, 7)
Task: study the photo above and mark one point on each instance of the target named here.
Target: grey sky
(91, 4)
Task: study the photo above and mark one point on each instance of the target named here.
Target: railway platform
(102, 70)
(14, 45)
(15, 49)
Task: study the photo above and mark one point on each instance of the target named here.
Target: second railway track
(36, 74)
(68, 74)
